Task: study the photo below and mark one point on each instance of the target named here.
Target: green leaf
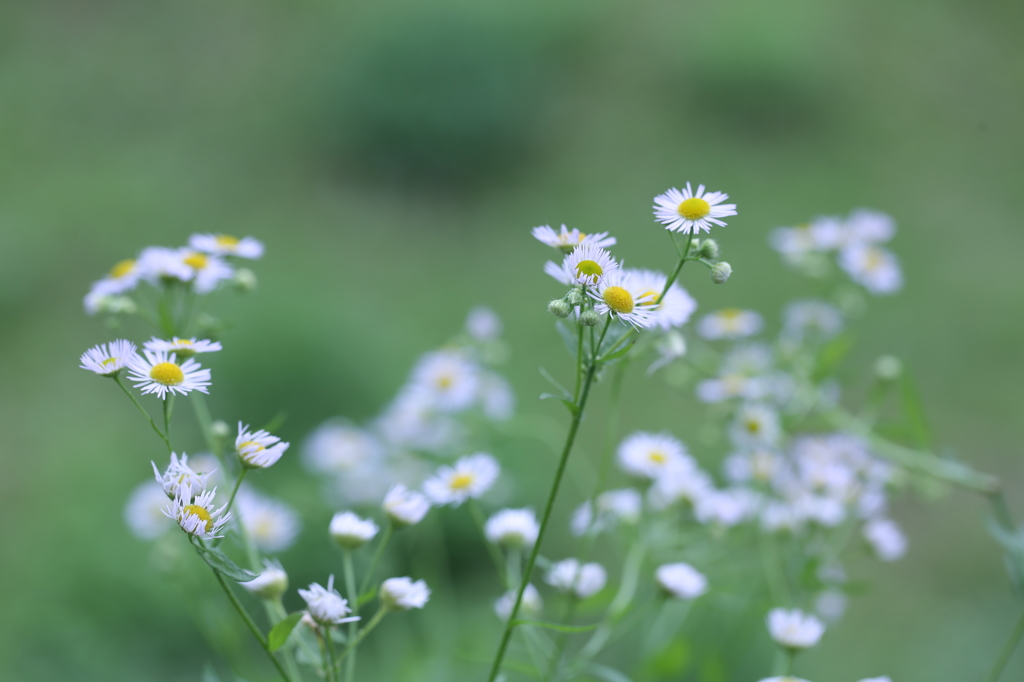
(554, 382)
(556, 626)
(209, 674)
(608, 674)
(279, 633)
(619, 353)
(566, 401)
(834, 352)
(275, 423)
(366, 596)
(569, 334)
(219, 561)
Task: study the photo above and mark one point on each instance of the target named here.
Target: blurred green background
(393, 156)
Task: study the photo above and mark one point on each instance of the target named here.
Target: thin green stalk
(1008, 648)
(679, 266)
(234, 491)
(350, 587)
(377, 618)
(164, 438)
(579, 364)
(332, 662)
(251, 624)
(325, 658)
(477, 514)
(368, 578)
(275, 614)
(559, 472)
(168, 408)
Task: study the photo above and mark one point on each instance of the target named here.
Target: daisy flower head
(226, 245)
(197, 515)
(873, 267)
(583, 580)
(681, 580)
(865, 225)
(350, 531)
(690, 212)
(158, 373)
(648, 455)
(271, 583)
(794, 629)
(621, 295)
(483, 324)
(341, 448)
(797, 245)
(588, 264)
(178, 474)
(886, 539)
(183, 348)
(730, 323)
(207, 270)
(325, 605)
(566, 240)
(471, 476)
(405, 507)
(680, 484)
(144, 511)
(512, 528)
(402, 594)
(124, 276)
(272, 524)
(448, 379)
(756, 424)
(811, 318)
(669, 311)
(531, 605)
(108, 359)
(258, 449)
(613, 507)
(158, 264)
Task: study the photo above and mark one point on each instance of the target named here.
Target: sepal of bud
(709, 249)
(559, 308)
(588, 318)
(720, 272)
(575, 297)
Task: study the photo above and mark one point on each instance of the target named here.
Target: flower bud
(245, 280)
(720, 272)
(402, 594)
(588, 318)
(888, 368)
(575, 297)
(709, 249)
(270, 584)
(220, 429)
(559, 308)
(350, 531)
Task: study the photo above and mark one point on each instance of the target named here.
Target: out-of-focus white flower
(613, 506)
(678, 484)
(815, 319)
(405, 507)
(883, 678)
(726, 507)
(196, 515)
(144, 511)
(449, 378)
(681, 580)
(512, 528)
(226, 245)
(350, 531)
(183, 348)
(885, 538)
(271, 583)
(794, 629)
(496, 397)
(583, 580)
(530, 606)
(207, 270)
(668, 312)
(158, 263)
(831, 604)
(795, 244)
(690, 212)
(272, 525)
(566, 240)
(471, 476)
(258, 449)
(158, 373)
(731, 386)
(124, 276)
(412, 421)
(756, 424)
(730, 323)
(650, 454)
(874, 268)
(483, 324)
(337, 448)
(179, 473)
(402, 594)
(865, 225)
(325, 605)
(671, 346)
(107, 359)
(760, 464)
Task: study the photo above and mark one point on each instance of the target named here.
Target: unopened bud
(575, 297)
(220, 429)
(245, 280)
(270, 584)
(720, 272)
(709, 248)
(559, 308)
(588, 318)
(888, 368)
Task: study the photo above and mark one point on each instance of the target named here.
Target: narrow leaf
(831, 355)
(366, 596)
(554, 382)
(556, 626)
(220, 562)
(279, 633)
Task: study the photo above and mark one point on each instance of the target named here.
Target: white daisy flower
(730, 323)
(183, 348)
(107, 359)
(412, 421)
(449, 378)
(512, 528)
(99, 301)
(670, 347)
(566, 240)
(648, 455)
(583, 580)
(402, 594)
(688, 212)
(197, 515)
(794, 629)
(157, 263)
(158, 373)
(483, 324)
(497, 400)
(731, 386)
(587, 265)
(143, 513)
(795, 244)
(865, 225)
(674, 310)
(270, 584)
(350, 531)
(613, 507)
(620, 295)
(676, 484)
(124, 276)
(179, 474)
(530, 606)
(405, 507)
(885, 538)
(272, 525)
(725, 508)
(325, 605)
(681, 580)
(756, 424)
(760, 464)
(831, 604)
(816, 319)
(471, 476)
(874, 268)
(207, 271)
(226, 245)
(339, 448)
(258, 449)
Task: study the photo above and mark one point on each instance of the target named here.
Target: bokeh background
(392, 156)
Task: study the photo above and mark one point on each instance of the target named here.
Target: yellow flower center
(249, 448)
(731, 313)
(873, 259)
(651, 298)
(657, 456)
(196, 510)
(108, 361)
(589, 269)
(444, 381)
(753, 426)
(461, 481)
(618, 299)
(122, 268)
(196, 261)
(226, 240)
(167, 373)
(694, 208)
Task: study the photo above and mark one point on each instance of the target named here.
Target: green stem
(1008, 648)
(234, 491)
(332, 661)
(325, 658)
(350, 587)
(377, 618)
(579, 365)
(168, 408)
(164, 438)
(559, 472)
(275, 614)
(251, 624)
(368, 578)
(679, 266)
